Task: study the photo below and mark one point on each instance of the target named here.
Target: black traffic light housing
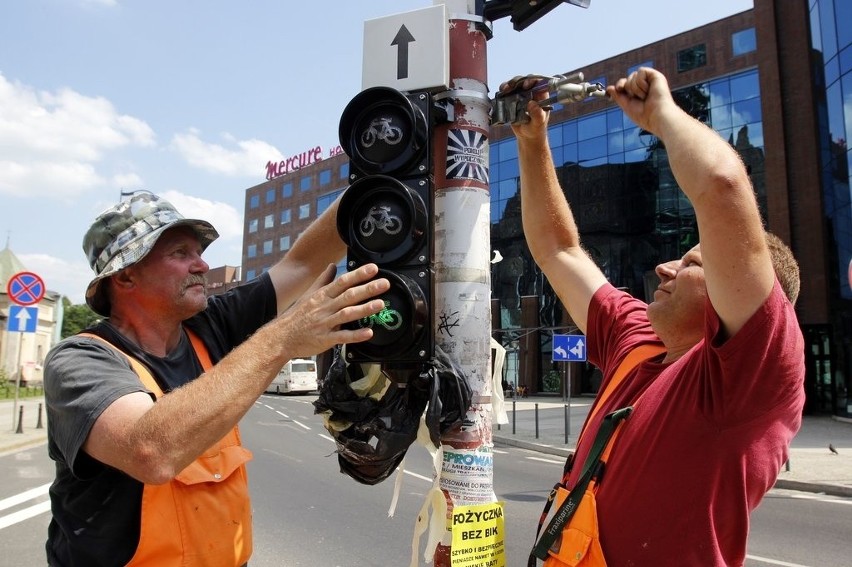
(385, 217)
(524, 12)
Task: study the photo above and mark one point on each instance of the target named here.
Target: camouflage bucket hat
(125, 233)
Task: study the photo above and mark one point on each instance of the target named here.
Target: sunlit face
(679, 301)
(172, 276)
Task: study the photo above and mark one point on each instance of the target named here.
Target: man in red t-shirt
(719, 408)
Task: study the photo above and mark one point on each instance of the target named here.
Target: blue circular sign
(25, 288)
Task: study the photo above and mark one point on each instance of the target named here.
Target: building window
(344, 171)
(325, 177)
(691, 58)
(304, 211)
(284, 243)
(305, 183)
(325, 201)
(267, 247)
(287, 190)
(268, 221)
(270, 196)
(254, 201)
(642, 64)
(743, 42)
(250, 275)
(285, 216)
(252, 226)
(251, 251)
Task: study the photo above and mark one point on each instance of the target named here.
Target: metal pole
(462, 291)
(20, 368)
(536, 420)
(568, 405)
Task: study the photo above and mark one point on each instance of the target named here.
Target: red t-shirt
(707, 439)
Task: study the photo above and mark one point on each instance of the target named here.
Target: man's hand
(537, 125)
(314, 323)
(643, 96)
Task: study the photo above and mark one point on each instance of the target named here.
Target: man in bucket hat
(143, 406)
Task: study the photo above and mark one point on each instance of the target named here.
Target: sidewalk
(812, 466)
(30, 432)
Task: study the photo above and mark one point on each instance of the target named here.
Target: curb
(23, 444)
(532, 446)
(815, 487)
(800, 485)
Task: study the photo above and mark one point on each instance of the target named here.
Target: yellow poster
(478, 539)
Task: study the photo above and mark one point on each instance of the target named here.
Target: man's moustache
(195, 280)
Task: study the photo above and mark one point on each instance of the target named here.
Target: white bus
(297, 376)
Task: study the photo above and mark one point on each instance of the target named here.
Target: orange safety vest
(202, 517)
(579, 543)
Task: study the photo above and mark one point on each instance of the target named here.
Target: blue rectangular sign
(22, 319)
(569, 348)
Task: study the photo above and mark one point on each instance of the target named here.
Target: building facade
(774, 81)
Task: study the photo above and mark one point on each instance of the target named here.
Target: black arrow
(402, 39)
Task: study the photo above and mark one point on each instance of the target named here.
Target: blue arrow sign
(22, 319)
(569, 348)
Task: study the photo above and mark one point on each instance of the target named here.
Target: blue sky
(191, 98)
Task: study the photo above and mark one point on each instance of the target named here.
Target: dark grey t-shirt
(96, 508)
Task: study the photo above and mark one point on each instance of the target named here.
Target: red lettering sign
(293, 163)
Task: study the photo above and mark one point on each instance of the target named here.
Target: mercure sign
(314, 155)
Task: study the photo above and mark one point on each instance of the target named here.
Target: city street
(306, 511)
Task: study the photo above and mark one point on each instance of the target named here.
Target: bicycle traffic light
(385, 217)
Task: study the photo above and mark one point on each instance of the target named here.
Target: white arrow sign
(569, 348)
(408, 51)
(579, 350)
(22, 319)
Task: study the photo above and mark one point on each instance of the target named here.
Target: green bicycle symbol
(388, 318)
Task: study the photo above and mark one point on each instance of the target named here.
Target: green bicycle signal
(388, 318)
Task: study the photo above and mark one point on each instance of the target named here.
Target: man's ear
(123, 279)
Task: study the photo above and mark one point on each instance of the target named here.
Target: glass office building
(830, 24)
(628, 207)
(773, 81)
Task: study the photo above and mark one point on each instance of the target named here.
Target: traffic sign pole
(24, 289)
(20, 368)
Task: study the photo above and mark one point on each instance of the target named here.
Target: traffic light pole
(462, 277)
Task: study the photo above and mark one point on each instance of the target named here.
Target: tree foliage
(77, 318)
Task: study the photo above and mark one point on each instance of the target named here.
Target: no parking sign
(25, 288)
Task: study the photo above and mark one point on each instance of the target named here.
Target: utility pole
(463, 284)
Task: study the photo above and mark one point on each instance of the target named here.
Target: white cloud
(227, 220)
(51, 143)
(62, 180)
(242, 157)
(127, 181)
(64, 277)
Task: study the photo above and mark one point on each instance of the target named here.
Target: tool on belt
(571, 538)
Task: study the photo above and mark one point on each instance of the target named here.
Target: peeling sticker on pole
(467, 155)
(467, 474)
